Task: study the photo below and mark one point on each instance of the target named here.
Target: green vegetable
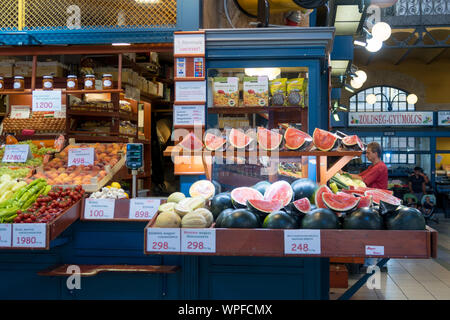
(8, 212)
(47, 190)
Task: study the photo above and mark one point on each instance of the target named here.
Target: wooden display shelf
(64, 91)
(256, 109)
(86, 137)
(93, 270)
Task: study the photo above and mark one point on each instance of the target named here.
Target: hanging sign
(198, 240)
(20, 112)
(384, 119)
(188, 115)
(16, 153)
(188, 91)
(5, 235)
(99, 208)
(143, 209)
(186, 44)
(46, 100)
(302, 241)
(444, 118)
(374, 250)
(29, 235)
(163, 240)
(81, 156)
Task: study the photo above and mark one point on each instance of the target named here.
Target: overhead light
(381, 31)
(342, 108)
(271, 73)
(373, 45)
(362, 76)
(359, 43)
(356, 83)
(371, 99)
(121, 44)
(348, 88)
(336, 117)
(412, 98)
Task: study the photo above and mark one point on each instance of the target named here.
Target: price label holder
(81, 156)
(16, 153)
(99, 209)
(20, 112)
(46, 100)
(143, 209)
(5, 235)
(374, 250)
(198, 240)
(163, 240)
(302, 242)
(29, 235)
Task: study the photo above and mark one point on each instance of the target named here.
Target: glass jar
(19, 83)
(89, 82)
(47, 82)
(2, 84)
(107, 81)
(72, 82)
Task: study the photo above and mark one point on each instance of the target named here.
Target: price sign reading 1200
(43, 106)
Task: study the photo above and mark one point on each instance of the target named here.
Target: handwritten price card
(99, 209)
(46, 100)
(16, 153)
(163, 240)
(301, 241)
(81, 156)
(5, 235)
(198, 240)
(143, 209)
(29, 235)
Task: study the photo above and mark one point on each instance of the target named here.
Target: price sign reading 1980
(198, 240)
(16, 153)
(143, 209)
(46, 100)
(81, 156)
(29, 235)
(302, 242)
(98, 209)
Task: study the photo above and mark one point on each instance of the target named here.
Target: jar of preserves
(19, 83)
(89, 82)
(47, 82)
(72, 82)
(2, 84)
(107, 81)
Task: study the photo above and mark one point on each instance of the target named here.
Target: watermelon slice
(239, 139)
(303, 205)
(353, 141)
(360, 190)
(280, 190)
(191, 143)
(269, 139)
(295, 139)
(345, 194)
(317, 197)
(213, 142)
(324, 140)
(264, 207)
(339, 202)
(241, 195)
(378, 195)
(365, 201)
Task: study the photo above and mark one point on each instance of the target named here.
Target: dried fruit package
(256, 91)
(226, 91)
(296, 91)
(278, 91)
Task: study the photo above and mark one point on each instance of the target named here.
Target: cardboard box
(52, 68)
(160, 89)
(226, 91)
(256, 91)
(23, 68)
(6, 69)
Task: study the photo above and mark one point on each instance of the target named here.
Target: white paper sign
(163, 240)
(189, 43)
(99, 208)
(186, 91)
(188, 115)
(143, 209)
(81, 156)
(5, 234)
(47, 100)
(444, 118)
(29, 235)
(374, 250)
(302, 241)
(20, 112)
(198, 240)
(385, 119)
(16, 153)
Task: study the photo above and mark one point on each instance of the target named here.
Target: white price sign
(189, 43)
(29, 235)
(81, 156)
(302, 241)
(374, 250)
(186, 91)
(188, 115)
(5, 235)
(198, 240)
(99, 208)
(20, 112)
(163, 240)
(143, 209)
(46, 100)
(16, 153)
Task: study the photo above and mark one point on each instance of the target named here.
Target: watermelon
(263, 207)
(239, 196)
(217, 186)
(191, 143)
(365, 201)
(204, 188)
(324, 140)
(213, 142)
(280, 190)
(362, 190)
(317, 196)
(280, 220)
(320, 219)
(340, 203)
(302, 205)
(238, 139)
(240, 218)
(406, 218)
(378, 195)
(219, 203)
(262, 186)
(269, 139)
(303, 188)
(295, 139)
(222, 215)
(363, 218)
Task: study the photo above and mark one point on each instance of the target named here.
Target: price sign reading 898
(143, 209)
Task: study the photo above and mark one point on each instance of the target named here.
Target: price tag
(301, 241)
(46, 100)
(163, 239)
(20, 112)
(188, 115)
(81, 156)
(143, 209)
(16, 153)
(29, 235)
(99, 208)
(5, 235)
(198, 240)
(374, 250)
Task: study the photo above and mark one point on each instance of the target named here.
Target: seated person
(427, 205)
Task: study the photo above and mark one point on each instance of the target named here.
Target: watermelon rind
(302, 205)
(264, 207)
(275, 192)
(306, 137)
(350, 140)
(319, 143)
(208, 145)
(263, 131)
(366, 201)
(244, 144)
(332, 201)
(378, 195)
(316, 199)
(239, 196)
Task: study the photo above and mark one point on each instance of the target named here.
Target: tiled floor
(408, 279)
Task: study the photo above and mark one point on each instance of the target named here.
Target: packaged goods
(296, 91)
(278, 91)
(256, 91)
(226, 91)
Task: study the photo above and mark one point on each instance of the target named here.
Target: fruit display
(345, 181)
(287, 169)
(113, 191)
(37, 122)
(324, 140)
(16, 173)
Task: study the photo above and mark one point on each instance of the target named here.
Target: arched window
(387, 99)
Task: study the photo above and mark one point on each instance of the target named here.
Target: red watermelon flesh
(353, 192)
(365, 201)
(191, 142)
(280, 190)
(269, 139)
(295, 139)
(303, 205)
(239, 139)
(318, 196)
(362, 190)
(213, 142)
(241, 195)
(267, 206)
(324, 140)
(378, 195)
(338, 202)
(350, 140)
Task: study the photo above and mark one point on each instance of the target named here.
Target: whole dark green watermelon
(280, 220)
(217, 186)
(220, 202)
(222, 215)
(320, 219)
(240, 218)
(406, 218)
(363, 218)
(303, 188)
(262, 186)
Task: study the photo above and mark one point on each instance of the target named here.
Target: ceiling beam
(369, 60)
(436, 56)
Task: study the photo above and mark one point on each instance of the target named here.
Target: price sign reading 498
(302, 242)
